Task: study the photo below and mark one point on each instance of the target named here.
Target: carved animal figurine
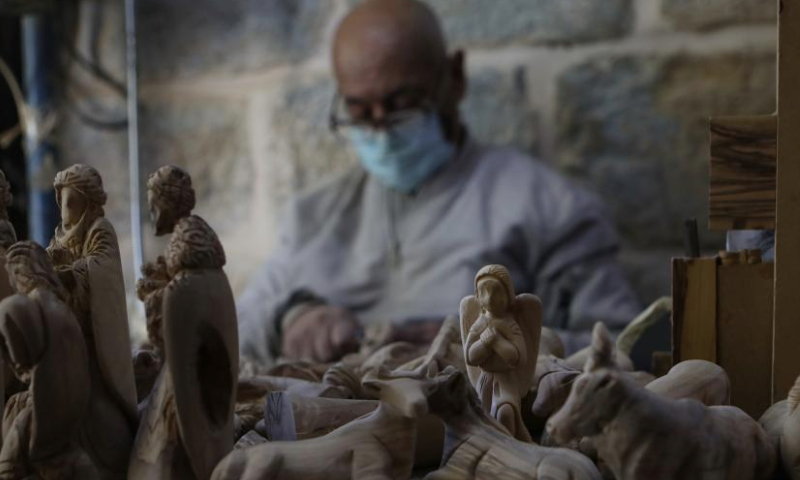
(500, 333)
(701, 380)
(42, 342)
(171, 199)
(639, 434)
(86, 257)
(477, 448)
(187, 426)
(790, 434)
(379, 446)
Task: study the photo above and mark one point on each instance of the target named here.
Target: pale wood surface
(744, 329)
(742, 175)
(694, 315)
(786, 354)
(657, 437)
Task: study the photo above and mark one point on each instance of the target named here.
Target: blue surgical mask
(404, 156)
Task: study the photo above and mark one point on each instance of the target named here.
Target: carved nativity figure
(86, 257)
(500, 333)
(641, 434)
(171, 199)
(187, 427)
(44, 426)
(8, 237)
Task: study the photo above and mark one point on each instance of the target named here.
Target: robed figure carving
(500, 332)
(43, 344)
(171, 198)
(187, 426)
(86, 257)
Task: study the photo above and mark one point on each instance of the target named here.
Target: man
(399, 238)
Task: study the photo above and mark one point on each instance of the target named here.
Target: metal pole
(39, 57)
(133, 137)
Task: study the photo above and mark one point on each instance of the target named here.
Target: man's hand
(322, 334)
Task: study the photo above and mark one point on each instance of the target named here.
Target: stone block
(636, 129)
(497, 109)
(708, 14)
(185, 38)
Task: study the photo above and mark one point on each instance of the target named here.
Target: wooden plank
(694, 312)
(742, 174)
(744, 333)
(786, 326)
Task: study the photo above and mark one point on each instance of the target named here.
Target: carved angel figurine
(86, 257)
(43, 343)
(187, 426)
(500, 332)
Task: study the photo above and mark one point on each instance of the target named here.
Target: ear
(602, 354)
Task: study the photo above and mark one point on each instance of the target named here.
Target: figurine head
(596, 395)
(494, 289)
(194, 245)
(170, 196)
(29, 267)
(79, 194)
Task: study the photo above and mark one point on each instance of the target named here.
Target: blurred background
(615, 93)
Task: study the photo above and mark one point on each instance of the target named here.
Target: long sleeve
(578, 277)
(259, 329)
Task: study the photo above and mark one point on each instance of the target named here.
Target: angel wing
(529, 318)
(469, 311)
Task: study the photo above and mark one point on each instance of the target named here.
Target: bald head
(388, 34)
(383, 47)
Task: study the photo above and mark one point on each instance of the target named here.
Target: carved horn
(794, 395)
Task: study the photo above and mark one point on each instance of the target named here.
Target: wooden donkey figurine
(640, 434)
(378, 446)
(477, 447)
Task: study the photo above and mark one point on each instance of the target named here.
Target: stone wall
(615, 93)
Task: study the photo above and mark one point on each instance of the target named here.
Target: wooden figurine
(639, 434)
(86, 257)
(8, 236)
(377, 446)
(171, 198)
(700, 380)
(477, 447)
(187, 426)
(44, 426)
(790, 434)
(500, 333)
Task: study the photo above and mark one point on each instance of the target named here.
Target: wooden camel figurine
(640, 434)
(378, 446)
(477, 447)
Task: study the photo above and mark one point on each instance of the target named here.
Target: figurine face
(588, 405)
(162, 221)
(73, 206)
(492, 296)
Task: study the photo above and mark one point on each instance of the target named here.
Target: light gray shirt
(392, 257)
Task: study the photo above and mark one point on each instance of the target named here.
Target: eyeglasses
(400, 106)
